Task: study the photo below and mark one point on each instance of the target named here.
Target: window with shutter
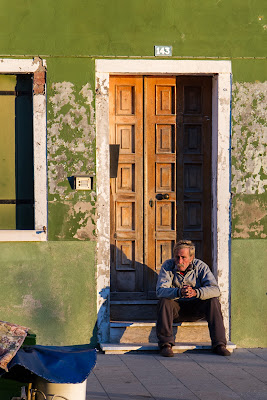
(16, 152)
(23, 192)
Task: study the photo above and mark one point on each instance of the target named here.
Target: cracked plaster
(249, 169)
(71, 151)
(249, 161)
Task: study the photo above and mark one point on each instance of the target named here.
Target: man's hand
(188, 292)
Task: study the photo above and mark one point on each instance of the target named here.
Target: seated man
(187, 289)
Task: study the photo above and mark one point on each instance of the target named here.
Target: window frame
(26, 66)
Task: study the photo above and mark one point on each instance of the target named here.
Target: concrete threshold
(122, 348)
(132, 324)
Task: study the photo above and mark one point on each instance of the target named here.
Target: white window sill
(22, 236)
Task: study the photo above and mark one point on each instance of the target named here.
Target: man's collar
(188, 269)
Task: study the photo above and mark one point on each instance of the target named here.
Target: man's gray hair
(183, 244)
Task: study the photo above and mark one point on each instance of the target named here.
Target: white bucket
(71, 391)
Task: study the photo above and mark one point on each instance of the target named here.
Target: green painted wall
(49, 287)
(249, 203)
(249, 70)
(131, 28)
(70, 35)
(249, 306)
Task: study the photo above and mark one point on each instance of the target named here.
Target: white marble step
(122, 348)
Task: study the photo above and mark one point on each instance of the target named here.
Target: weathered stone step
(145, 332)
(122, 348)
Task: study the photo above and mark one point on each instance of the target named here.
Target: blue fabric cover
(56, 364)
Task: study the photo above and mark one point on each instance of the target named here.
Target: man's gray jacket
(198, 275)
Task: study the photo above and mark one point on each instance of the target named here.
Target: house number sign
(163, 51)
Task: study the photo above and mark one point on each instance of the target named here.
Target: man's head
(184, 253)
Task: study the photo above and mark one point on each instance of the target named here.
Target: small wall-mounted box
(83, 182)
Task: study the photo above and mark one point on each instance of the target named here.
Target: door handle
(161, 196)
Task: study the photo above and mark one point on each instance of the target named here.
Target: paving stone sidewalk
(186, 376)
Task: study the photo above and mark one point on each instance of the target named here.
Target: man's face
(182, 258)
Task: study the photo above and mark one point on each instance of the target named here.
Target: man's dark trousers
(190, 310)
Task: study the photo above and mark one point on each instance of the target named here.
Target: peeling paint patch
(249, 217)
(249, 161)
(86, 221)
(71, 137)
(72, 219)
(71, 151)
(29, 304)
(59, 314)
(39, 77)
(261, 21)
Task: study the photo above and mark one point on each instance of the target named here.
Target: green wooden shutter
(16, 152)
(7, 152)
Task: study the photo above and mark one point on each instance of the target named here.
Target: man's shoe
(221, 350)
(166, 351)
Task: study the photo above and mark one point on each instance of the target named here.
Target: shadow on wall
(133, 289)
(131, 276)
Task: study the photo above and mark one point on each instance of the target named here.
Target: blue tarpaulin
(56, 364)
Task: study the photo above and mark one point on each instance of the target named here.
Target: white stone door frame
(221, 134)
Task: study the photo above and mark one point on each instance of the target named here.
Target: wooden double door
(162, 192)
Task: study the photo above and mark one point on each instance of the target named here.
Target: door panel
(194, 163)
(163, 189)
(126, 130)
(160, 167)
